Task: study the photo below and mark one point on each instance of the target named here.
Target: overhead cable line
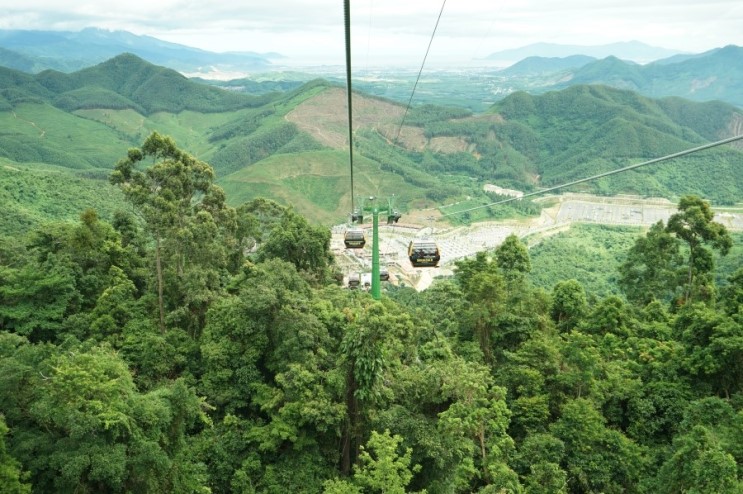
(399, 129)
(602, 175)
(347, 17)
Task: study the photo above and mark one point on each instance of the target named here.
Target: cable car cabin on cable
(424, 253)
(354, 239)
(354, 280)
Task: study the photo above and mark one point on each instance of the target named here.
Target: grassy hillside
(36, 193)
(592, 255)
(588, 253)
(316, 183)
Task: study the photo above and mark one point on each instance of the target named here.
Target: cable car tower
(357, 215)
(393, 216)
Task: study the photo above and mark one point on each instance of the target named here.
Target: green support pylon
(375, 289)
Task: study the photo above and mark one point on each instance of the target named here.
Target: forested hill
(583, 130)
(125, 81)
(715, 75)
(194, 339)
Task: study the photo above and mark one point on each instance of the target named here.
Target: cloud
(394, 29)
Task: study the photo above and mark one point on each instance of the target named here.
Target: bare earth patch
(325, 117)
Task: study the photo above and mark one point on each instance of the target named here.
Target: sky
(393, 32)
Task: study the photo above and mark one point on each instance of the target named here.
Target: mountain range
(630, 50)
(541, 67)
(68, 51)
(716, 74)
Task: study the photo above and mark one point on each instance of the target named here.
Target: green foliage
(697, 465)
(246, 150)
(95, 97)
(27, 149)
(424, 114)
(606, 461)
(568, 304)
(185, 213)
(584, 130)
(381, 468)
(694, 225)
(650, 270)
(304, 245)
(481, 383)
(590, 254)
(83, 425)
(512, 257)
(11, 477)
(34, 298)
(713, 347)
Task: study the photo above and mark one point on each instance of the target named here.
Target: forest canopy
(186, 346)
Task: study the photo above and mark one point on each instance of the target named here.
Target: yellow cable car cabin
(354, 238)
(424, 253)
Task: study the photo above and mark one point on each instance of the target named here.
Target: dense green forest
(188, 346)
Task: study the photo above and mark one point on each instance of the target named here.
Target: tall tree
(183, 210)
(478, 417)
(512, 257)
(568, 304)
(304, 245)
(694, 225)
(484, 288)
(650, 269)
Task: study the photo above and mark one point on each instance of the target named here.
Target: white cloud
(394, 29)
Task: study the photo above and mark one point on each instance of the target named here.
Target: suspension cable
(347, 17)
(602, 175)
(399, 129)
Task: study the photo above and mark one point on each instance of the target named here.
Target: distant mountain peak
(635, 51)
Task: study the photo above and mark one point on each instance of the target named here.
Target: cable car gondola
(424, 253)
(354, 280)
(354, 238)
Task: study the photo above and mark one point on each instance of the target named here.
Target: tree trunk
(483, 452)
(690, 278)
(160, 304)
(483, 337)
(348, 448)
